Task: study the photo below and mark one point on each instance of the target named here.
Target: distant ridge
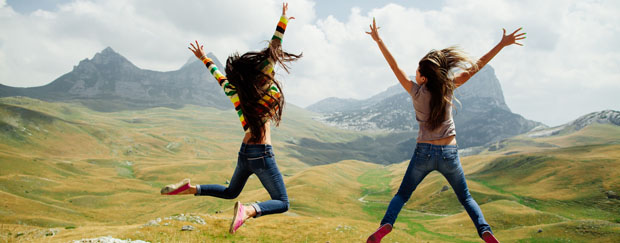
(481, 117)
(109, 82)
(611, 117)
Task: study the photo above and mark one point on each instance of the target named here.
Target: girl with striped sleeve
(256, 94)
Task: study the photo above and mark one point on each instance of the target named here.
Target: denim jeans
(254, 159)
(445, 159)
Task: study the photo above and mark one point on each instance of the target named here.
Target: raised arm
(400, 74)
(276, 40)
(228, 88)
(507, 40)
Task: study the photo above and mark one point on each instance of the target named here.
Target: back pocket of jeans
(450, 154)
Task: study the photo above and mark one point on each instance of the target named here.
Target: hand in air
(198, 50)
(512, 38)
(374, 31)
(284, 8)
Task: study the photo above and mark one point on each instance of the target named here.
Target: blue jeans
(254, 159)
(445, 159)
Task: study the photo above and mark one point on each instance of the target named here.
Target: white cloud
(568, 66)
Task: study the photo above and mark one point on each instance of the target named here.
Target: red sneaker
(238, 218)
(380, 233)
(488, 237)
(177, 188)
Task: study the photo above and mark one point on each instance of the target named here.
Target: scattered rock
(151, 223)
(188, 218)
(612, 195)
(445, 188)
(187, 228)
(218, 211)
(343, 228)
(51, 232)
(227, 182)
(180, 217)
(19, 234)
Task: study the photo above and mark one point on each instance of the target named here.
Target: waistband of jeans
(433, 146)
(254, 148)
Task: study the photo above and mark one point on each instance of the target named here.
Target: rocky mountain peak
(481, 117)
(601, 117)
(109, 56)
(193, 62)
(106, 59)
(110, 82)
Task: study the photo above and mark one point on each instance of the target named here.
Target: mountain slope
(110, 82)
(481, 115)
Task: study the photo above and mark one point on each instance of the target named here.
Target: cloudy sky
(569, 66)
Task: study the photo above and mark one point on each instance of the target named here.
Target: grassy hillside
(68, 173)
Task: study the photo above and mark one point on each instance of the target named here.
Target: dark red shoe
(488, 237)
(380, 233)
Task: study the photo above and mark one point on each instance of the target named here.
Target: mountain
(602, 127)
(110, 82)
(611, 117)
(481, 115)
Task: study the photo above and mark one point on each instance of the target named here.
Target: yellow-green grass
(93, 174)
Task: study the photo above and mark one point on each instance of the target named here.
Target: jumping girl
(436, 147)
(258, 100)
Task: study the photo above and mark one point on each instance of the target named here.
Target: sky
(569, 65)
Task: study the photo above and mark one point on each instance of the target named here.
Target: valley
(68, 172)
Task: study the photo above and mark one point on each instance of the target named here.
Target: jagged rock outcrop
(110, 82)
(481, 115)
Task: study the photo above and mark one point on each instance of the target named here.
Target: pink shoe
(488, 237)
(238, 218)
(380, 233)
(177, 188)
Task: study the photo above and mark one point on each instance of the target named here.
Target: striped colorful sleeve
(276, 42)
(268, 101)
(228, 88)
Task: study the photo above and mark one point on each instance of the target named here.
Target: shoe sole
(174, 189)
(232, 224)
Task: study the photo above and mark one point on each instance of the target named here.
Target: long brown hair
(244, 72)
(437, 67)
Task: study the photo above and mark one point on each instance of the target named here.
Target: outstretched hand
(198, 50)
(284, 8)
(512, 38)
(374, 31)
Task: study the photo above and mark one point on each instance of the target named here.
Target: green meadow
(69, 173)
